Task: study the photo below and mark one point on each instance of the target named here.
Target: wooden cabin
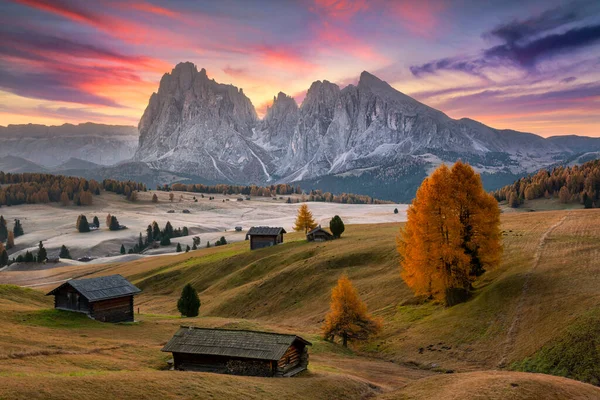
(238, 352)
(106, 299)
(264, 236)
(319, 235)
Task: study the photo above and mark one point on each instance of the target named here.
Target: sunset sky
(527, 65)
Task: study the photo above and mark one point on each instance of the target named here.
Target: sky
(532, 66)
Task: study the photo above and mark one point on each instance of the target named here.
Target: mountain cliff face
(196, 125)
(355, 138)
(50, 146)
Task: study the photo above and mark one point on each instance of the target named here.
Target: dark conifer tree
(178, 247)
(3, 229)
(82, 224)
(189, 302)
(42, 255)
(64, 253)
(18, 228)
(96, 222)
(123, 249)
(336, 225)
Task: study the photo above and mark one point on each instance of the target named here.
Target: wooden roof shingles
(102, 288)
(265, 231)
(231, 343)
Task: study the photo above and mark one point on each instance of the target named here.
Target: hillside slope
(523, 316)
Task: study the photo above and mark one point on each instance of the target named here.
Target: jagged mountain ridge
(196, 125)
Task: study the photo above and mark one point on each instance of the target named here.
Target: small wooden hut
(264, 236)
(319, 235)
(238, 352)
(106, 299)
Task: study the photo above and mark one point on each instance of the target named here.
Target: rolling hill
(537, 313)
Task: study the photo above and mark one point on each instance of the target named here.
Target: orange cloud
(153, 9)
(284, 59)
(343, 9)
(419, 17)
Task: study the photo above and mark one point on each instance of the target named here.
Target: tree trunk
(345, 340)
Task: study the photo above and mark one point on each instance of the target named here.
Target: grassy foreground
(525, 315)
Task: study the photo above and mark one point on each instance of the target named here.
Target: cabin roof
(265, 231)
(319, 229)
(231, 343)
(102, 288)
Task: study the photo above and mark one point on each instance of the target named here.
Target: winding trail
(514, 326)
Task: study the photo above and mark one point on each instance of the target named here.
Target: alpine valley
(367, 138)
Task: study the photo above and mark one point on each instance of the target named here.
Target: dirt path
(514, 326)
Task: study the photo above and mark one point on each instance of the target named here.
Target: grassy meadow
(538, 312)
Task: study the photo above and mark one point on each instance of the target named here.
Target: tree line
(38, 188)
(250, 190)
(576, 184)
(273, 190)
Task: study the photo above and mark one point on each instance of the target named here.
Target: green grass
(575, 354)
(59, 319)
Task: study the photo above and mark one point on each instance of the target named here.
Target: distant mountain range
(50, 146)
(367, 138)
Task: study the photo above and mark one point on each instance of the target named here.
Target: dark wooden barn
(319, 235)
(264, 236)
(238, 352)
(106, 299)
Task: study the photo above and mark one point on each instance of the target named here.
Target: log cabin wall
(295, 356)
(69, 299)
(222, 364)
(259, 242)
(113, 310)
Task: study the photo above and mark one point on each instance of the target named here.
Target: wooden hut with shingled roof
(238, 352)
(106, 299)
(264, 236)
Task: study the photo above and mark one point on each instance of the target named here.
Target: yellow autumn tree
(452, 235)
(348, 317)
(305, 220)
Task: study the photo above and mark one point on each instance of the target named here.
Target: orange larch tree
(304, 221)
(452, 235)
(348, 317)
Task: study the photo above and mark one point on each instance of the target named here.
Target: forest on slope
(573, 184)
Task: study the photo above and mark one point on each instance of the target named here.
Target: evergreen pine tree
(3, 258)
(194, 247)
(123, 249)
(141, 243)
(64, 253)
(165, 241)
(82, 224)
(187, 248)
(168, 232)
(18, 228)
(3, 229)
(28, 257)
(178, 247)
(96, 222)
(42, 255)
(114, 224)
(395, 211)
(149, 234)
(189, 302)
(185, 231)
(207, 244)
(336, 225)
(155, 231)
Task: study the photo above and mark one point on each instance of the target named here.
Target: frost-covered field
(208, 219)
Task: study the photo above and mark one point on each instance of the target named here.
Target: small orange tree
(304, 221)
(348, 317)
(452, 235)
